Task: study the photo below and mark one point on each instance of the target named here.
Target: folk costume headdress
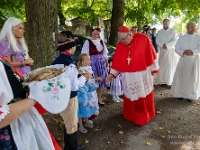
(98, 28)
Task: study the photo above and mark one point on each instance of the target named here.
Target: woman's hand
(28, 61)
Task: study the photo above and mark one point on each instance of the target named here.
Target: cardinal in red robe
(136, 60)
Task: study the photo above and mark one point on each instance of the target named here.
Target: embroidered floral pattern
(6, 140)
(54, 86)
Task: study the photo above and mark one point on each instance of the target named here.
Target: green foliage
(87, 9)
(153, 11)
(138, 12)
(179, 26)
(12, 8)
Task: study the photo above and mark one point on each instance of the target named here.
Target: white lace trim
(4, 110)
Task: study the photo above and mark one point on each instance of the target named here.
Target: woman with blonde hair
(12, 45)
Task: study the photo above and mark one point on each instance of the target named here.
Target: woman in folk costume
(13, 47)
(116, 87)
(20, 122)
(97, 50)
(135, 59)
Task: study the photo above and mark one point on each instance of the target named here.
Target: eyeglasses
(123, 39)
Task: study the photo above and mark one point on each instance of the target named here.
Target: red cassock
(143, 55)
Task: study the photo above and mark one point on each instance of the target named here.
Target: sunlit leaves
(12, 8)
(87, 9)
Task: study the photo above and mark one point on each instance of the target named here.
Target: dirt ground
(175, 127)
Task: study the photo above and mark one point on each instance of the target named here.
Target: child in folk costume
(87, 95)
(67, 46)
(116, 87)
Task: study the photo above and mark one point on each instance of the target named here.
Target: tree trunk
(60, 13)
(117, 20)
(41, 16)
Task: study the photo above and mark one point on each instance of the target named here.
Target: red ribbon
(66, 53)
(14, 68)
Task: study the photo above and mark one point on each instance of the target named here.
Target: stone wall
(83, 27)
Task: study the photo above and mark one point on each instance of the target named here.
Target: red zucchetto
(124, 29)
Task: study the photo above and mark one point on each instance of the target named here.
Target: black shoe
(189, 100)
(66, 141)
(163, 85)
(180, 98)
(80, 147)
(101, 104)
(71, 141)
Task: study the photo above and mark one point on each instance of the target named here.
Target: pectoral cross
(129, 59)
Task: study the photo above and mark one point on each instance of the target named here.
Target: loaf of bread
(46, 73)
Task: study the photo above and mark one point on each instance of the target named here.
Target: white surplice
(186, 83)
(139, 84)
(167, 58)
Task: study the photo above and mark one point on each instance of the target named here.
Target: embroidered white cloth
(137, 84)
(53, 94)
(30, 132)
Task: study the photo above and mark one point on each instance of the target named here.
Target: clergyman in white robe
(167, 57)
(186, 83)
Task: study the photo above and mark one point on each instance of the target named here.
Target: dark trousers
(70, 140)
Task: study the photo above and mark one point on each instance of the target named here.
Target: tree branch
(92, 4)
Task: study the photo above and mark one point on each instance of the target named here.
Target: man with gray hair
(135, 59)
(186, 83)
(166, 40)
